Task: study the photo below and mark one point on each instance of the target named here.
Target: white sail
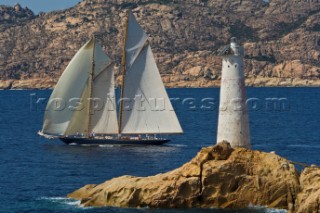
(103, 110)
(136, 38)
(80, 119)
(152, 112)
(74, 84)
(70, 85)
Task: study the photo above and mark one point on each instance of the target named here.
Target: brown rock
(17, 8)
(6, 84)
(166, 25)
(309, 198)
(222, 151)
(217, 177)
(194, 71)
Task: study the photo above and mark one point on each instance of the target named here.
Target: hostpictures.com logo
(139, 103)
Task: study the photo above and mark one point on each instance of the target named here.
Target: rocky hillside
(281, 38)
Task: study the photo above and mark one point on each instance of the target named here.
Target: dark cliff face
(281, 38)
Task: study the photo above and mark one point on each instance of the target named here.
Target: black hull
(97, 142)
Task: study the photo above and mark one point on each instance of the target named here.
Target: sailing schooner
(89, 77)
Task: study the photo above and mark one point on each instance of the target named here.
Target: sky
(42, 5)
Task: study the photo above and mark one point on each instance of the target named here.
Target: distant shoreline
(47, 83)
(42, 89)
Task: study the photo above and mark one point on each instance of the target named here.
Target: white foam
(267, 210)
(106, 146)
(276, 211)
(73, 203)
(53, 198)
(63, 200)
(177, 145)
(77, 204)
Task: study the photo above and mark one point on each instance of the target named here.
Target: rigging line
(105, 69)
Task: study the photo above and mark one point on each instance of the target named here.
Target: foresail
(136, 39)
(80, 119)
(73, 92)
(70, 85)
(103, 111)
(152, 112)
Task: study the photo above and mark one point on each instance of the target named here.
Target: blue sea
(36, 174)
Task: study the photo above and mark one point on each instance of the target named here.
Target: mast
(123, 65)
(91, 84)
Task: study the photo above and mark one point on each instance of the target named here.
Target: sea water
(36, 174)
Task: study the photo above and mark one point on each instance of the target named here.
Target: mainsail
(152, 112)
(76, 85)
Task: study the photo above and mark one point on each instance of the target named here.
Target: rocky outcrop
(218, 176)
(281, 39)
(16, 15)
(309, 198)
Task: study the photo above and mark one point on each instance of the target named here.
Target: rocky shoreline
(218, 176)
(49, 83)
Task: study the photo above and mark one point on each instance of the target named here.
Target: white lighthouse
(233, 124)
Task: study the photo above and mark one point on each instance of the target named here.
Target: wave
(76, 204)
(304, 146)
(275, 210)
(266, 209)
(63, 201)
(177, 145)
(107, 146)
